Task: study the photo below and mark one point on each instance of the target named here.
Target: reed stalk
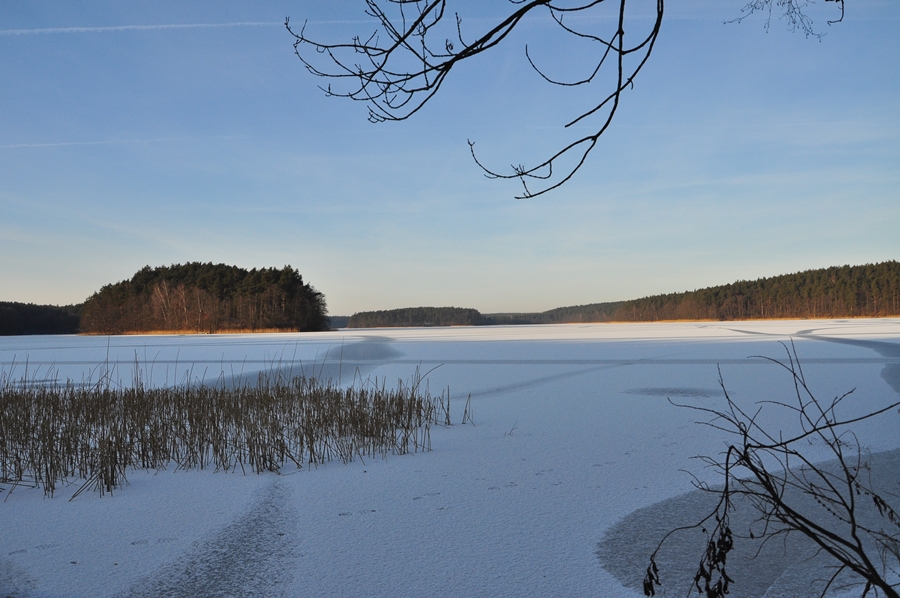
(57, 434)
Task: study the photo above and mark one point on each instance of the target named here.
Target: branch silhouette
(401, 65)
(768, 472)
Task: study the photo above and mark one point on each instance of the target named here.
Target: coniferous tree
(208, 297)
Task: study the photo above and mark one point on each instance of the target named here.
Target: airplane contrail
(53, 30)
(111, 142)
(50, 30)
(60, 144)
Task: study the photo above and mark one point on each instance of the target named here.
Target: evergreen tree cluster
(872, 290)
(595, 312)
(416, 316)
(27, 318)
(197, 297)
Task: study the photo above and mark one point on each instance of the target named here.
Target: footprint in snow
(427, 495)
(20, 551)
(246, 558)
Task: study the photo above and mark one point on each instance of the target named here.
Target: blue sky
(152, 133)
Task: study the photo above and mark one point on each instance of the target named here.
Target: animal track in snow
(157, 541)
(360, 512)
(38, 547)
(427, 495)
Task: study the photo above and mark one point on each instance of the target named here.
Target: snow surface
(573, 435)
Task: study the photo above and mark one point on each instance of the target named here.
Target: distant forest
(459, 316)
(872, 290)
(595, 312)
(416, 316)
(27, 318)
(198, 297)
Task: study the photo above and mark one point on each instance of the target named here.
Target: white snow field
(575, 466)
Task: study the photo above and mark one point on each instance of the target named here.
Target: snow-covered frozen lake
(573, 435)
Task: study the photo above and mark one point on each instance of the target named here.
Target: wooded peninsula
(872, 290)
(198, 297)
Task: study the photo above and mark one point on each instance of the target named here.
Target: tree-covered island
(197, 297)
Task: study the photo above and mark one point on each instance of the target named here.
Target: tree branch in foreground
(403, 63)
(769, 472)
(400, 66)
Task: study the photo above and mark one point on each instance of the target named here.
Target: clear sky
(151, 133)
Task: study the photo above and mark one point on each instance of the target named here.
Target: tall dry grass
(61, 434)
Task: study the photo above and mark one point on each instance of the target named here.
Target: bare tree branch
(853, 523)
(405, 61)
(399, 67)
(793, 12)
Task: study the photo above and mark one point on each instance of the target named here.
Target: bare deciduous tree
(400, 66)
(772, 474)
(792, 12)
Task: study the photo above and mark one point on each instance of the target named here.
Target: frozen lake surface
(574, 448)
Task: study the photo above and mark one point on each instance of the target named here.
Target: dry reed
(57, 434)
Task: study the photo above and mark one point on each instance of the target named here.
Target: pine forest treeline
(416, 316)
(27, 318)
(872, 290)
(197, 297)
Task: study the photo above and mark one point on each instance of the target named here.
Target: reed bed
(60, 434)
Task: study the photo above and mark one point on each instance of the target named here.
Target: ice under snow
(574, 441)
